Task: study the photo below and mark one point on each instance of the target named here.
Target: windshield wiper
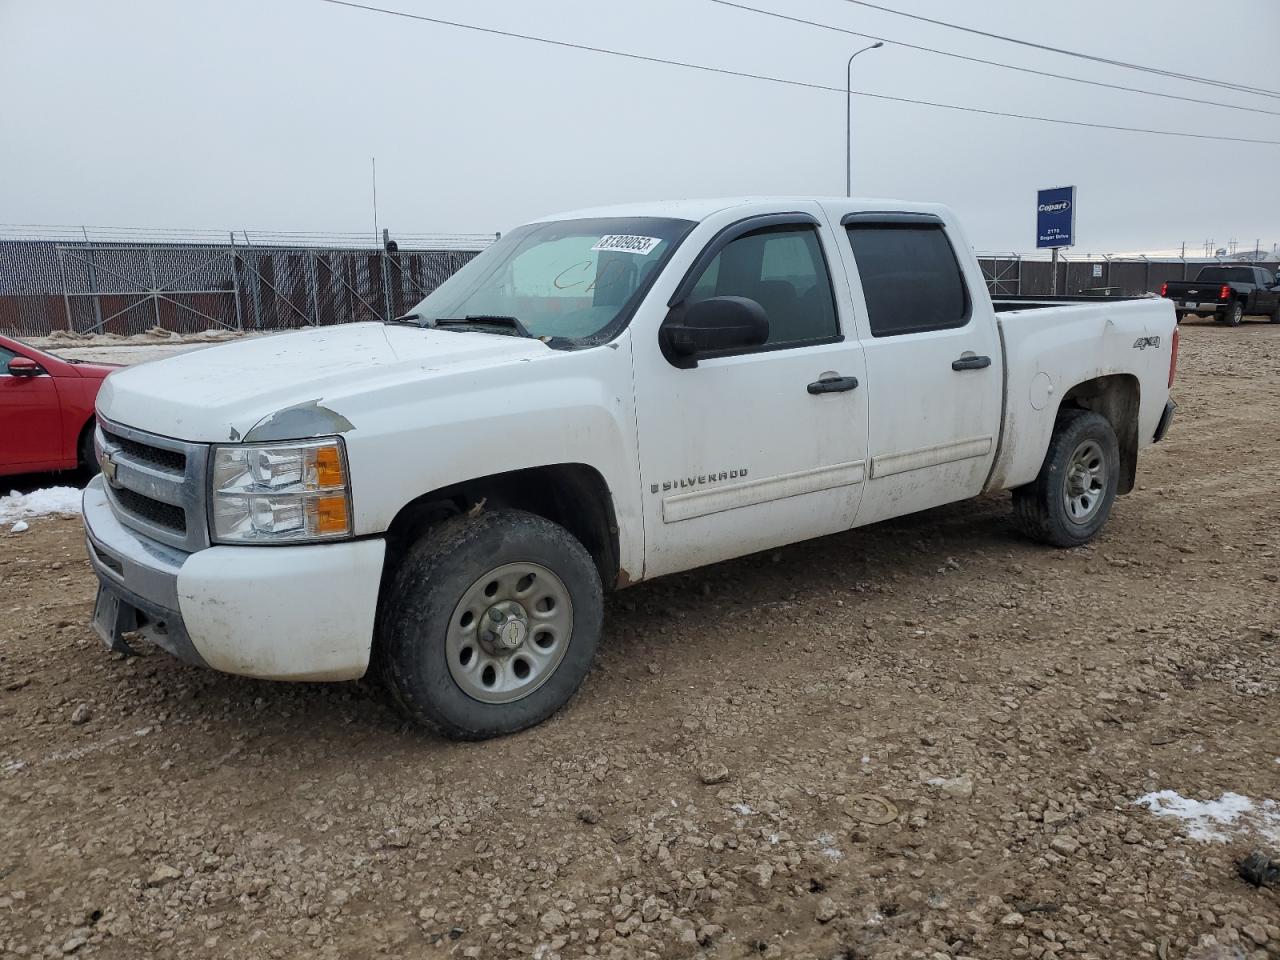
(486, 320)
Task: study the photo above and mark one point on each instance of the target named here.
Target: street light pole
(848, 119)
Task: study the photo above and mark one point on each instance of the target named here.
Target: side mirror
(712, 326)
(24, 367)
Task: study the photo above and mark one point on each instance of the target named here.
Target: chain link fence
(1014, 275)
(128, 288)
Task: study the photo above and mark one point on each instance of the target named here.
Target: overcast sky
(245, 113)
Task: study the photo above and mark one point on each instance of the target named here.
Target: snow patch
(39, 503)
(1216, 820)
(828, 848)
(743, 808)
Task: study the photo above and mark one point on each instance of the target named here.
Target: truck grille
(172, 460)
(155, 484)
(153, 511)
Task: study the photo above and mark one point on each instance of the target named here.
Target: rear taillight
(1173, 358)
(1164, 289)
(1224, 293)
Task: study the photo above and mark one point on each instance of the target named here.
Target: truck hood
(293, 385)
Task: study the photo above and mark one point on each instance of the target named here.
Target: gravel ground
(922, 739)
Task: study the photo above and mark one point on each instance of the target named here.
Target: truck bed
(1079, 339)
(1006, 304)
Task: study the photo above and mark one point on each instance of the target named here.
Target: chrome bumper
(137, 582)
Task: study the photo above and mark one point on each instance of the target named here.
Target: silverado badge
(698, 481)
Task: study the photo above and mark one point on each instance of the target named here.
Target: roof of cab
(700, 209)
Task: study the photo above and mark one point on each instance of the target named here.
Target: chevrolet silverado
(598, 398)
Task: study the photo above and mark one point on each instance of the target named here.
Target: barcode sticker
(625, 243)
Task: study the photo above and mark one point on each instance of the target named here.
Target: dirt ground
(924, 739)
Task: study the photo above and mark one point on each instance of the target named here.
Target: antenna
(373, 161)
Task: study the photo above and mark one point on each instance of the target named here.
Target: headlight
(280, 493)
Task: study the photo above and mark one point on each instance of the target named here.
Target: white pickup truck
(597, 399)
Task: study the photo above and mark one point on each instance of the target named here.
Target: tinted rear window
(910, 278)
(1227, 274)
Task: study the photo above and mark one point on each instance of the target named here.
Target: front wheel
(490, 624)
(85, 453)
(1071, 498)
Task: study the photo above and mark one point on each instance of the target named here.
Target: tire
(1275, 314)
(1233, 314)
(85, 452)
(1080, 438)
(473, 601)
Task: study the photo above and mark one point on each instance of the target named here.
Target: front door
(30, 420)
(934, 366)
(1268, 292)
(767, 446)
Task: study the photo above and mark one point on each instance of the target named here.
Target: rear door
(30, 420)
(934, 364)
(764, 445)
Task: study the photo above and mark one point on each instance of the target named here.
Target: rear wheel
(1071, 498)
(490, 624)
(1233, 314)
(1275, 314)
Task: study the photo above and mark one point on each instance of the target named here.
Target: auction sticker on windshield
(626, 243)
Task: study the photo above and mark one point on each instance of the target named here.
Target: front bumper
(280, 613)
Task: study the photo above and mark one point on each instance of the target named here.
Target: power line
(1072, 123)
(992, 63)
(792, 83)
(1244, 88)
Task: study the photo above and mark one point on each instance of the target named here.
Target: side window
(783, 270)
(910, 278)
(5, 357)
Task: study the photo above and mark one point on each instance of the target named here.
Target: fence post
(93, 278)
(315, 293)
(235, 281)
(66, 290)
(155, 284)
(255, 283)
(386, 280)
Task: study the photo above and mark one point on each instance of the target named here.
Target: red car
(46, 410)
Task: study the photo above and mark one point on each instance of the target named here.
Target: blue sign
(1056, 217)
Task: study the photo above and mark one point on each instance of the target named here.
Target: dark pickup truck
(1228, 293)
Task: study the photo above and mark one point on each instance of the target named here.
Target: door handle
(971, 363)
(832, 385)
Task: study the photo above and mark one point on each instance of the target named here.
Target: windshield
(576, 281)
(1227, 274)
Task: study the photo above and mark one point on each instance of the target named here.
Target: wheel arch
(1117, 397)
(86, 430)
(573, 495)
